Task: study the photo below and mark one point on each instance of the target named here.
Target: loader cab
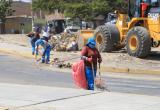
(134, 6)
(154, 6)
(154, 3)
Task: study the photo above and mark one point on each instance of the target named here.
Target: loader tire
(107, 37)
(138, 42)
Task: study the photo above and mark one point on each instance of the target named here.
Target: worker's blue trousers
(46, 54)
(46, 50)
(89, 77)
(33, 40)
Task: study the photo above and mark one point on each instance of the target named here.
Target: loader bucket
(83, 37)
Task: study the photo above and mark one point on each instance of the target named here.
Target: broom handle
(100, 70)
(93, 73)
(99, 63)
(93, 70)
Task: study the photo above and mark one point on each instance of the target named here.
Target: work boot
(32, 53)
(43, 61)
(47, 61)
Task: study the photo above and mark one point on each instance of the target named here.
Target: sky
(23, 0)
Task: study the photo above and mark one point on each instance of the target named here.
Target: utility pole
(40, 14)
(0, 26)
(32, 15)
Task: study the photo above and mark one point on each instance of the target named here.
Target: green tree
(48, 5)
(120, 5)
(5, 10)
(83, 9)
(100, 7)
(78, 10)
(86, 9)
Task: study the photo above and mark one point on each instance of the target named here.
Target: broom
(99, 82)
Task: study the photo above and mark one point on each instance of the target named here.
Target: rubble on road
(60, 64)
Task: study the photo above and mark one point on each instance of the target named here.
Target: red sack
(78, 73)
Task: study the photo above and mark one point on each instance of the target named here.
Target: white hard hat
(45, 34)
(67, 30)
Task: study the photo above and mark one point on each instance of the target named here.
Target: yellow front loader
(138, 29)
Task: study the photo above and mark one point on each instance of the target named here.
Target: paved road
(25, 71)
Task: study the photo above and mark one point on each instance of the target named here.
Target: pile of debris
(64, 42)
(60, 64)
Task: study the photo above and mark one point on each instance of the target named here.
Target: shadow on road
(154, 55)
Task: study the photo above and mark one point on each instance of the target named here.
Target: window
(132, 7)
(154, 3)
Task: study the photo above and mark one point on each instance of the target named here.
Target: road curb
(114, 69)
(13, 52)
(2, 108)
(104, 69)
(130, 70)
(139, 71)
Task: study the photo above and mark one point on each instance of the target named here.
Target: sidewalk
(110, 62)
(29, 97)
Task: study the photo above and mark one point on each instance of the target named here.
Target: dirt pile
(62, 42)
